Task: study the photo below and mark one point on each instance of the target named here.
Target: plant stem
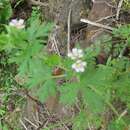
(59, 76)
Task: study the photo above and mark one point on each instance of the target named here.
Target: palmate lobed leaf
(5, 43)
(69, 93)
(122, 31)
(117, 125)
(100, 77)
(17, 37)
(94, 102)
(81, 121)
(122, 87)
(38, 73)
(46, 90)
(13, 39)
(53, 60)
(5, 11)
(24, 57)
(38, 30)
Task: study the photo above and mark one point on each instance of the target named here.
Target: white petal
(80, 51)
(11, 24)
(79, 61)
(77, 70)
(21, 26)
(84, 63)
(74, 50)
(69, 54)
(15, 21)
(21, 21)
(82, 69)
(80, 55)
(74, 66)
(79, 66)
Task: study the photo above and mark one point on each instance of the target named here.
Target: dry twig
(35, 2)
(89, 126)
(36, 118)
(104, 18)
(23, 124)
(69, 31)
(69, 26)
(64, 125)
(96, 24)
(123, 114)
(118, 9)
(55, 44)
(30, 122)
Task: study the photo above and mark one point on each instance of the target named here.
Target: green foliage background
(95, 90)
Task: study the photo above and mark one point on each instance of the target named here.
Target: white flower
(75, 54)
(17, 23)
(79, 66)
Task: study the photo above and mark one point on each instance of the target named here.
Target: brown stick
(34, 2)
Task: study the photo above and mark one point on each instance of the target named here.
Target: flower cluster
(75, 54)
(79, 65)
(17, 23)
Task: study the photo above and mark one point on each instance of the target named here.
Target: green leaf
(38, 73)
(122, 31)
(24, 58)
(3, 41)
(81, 121)
(53, 60)
(5, 10)
(92, 51)
(114, 125)
(14, 38)
(46, 90)
(122, 86)
(69, 93)
(2, 112)
(38, 30)
(3, 127)
(100, 77)
(93, 101)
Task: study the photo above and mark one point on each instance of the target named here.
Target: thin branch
(123, 114)
(101, 1)
(23, 124)
(69, 31)
(118, 9)
(104, 18)
(89, 126)
(30, 122)
(96, 24)
(55, 44)
(123, 50)
(34, 2)
(36, 118)
(45, 124)
(64, 125)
